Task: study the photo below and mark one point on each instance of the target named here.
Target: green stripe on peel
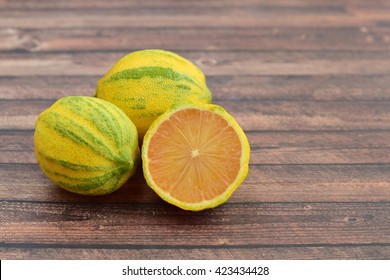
(98, 180)
(80, 187)
(107, 125)
(184, 87)
(151, 72)
(59, 123)
(87, 111)
(172, 56)
(139, 104)
(96, 183)
(72, 165)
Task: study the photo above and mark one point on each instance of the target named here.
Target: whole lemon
(146, 83)
(86, 145)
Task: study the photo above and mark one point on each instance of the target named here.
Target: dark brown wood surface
(308, 80)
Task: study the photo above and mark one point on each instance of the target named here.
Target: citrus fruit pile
(194, 154)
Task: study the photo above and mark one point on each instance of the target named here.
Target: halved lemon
(195, 156)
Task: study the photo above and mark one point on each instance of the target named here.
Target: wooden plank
(300, 88)
(243, 18)
(174, 8)
(191, 38)
(211, 63)
(360, 252)
(149, 224)
(264, 183)
(282, 4)
(100, 4)
(235, 87)
(347, 147)
(267, 147)
(270, 115)
(311, 116)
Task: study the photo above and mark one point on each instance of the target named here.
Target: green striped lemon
(86, 145)
(146, 83)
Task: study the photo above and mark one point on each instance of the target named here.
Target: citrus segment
(195, 156)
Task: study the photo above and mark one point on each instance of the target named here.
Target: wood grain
(308, 80)
(344, 252)
(160, 224)
(229, 87)
(267, 147)
(285, 63)
(227, 18)
(226, 38)
(252, 116)
(265, 183)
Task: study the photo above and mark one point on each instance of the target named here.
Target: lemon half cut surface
(195, 156)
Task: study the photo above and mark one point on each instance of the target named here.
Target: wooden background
(308, 80)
